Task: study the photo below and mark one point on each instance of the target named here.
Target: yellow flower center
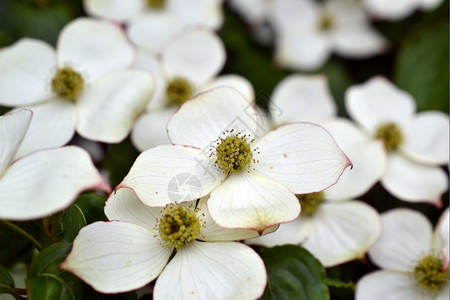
(310, 202)
(390, 134)
(178, 91)
(179, 226)
(67, 83)
(430, 275)
(233, 153)
(326, 22)
(156, 4)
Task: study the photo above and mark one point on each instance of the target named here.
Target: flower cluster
(215, 171)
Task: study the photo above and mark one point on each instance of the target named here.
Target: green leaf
(49, 260)
(422, 67)
(293, 274)
(92, 206)
(70, 221)
(6, 281)
(118, 160)
(48, 287)
(332, 282)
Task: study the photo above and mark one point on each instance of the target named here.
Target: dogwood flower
(188, 65)
(413, 265)
(39, 184)
(135, 247)
(395, 11)
(309, 32)
(81, 86)
(196, 12)
(416, 144)
(334, 228)
(251, 182)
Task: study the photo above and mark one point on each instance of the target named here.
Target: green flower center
(390, 134)
(310, 202)
(430, 275)
(178, 91)
(179, 226)
(233, 154)
(156, 4)
(67, 83)
(326, 22)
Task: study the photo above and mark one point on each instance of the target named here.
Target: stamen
(156, 4)
(391, 135)
(233, 153)
(430, 275)
(326, 22)
(310, 202)
(67, 83)
(179, 226)
(178, 91)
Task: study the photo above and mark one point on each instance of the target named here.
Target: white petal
(302, 156)
(413, 182)
(154, 29)
(210, 231)
(222, 270)
(52, 125)
(13, 127)
(124, 205)
(196, 55)
(171, 173)
(116, 257)
(200, 121)
(243, 85)
(302, 50)
(358, 41)
(427, 138)
(341, 232)
(94, 48)
(108, 110)
(293, 232)
(377, 101)
(302, 98)
(388, 285)
(428, 5)
(405, 238)
(443, 294)
(27, 69)
(151, 63)
(367, 155)
(388, 10)
(441, 237)
(46, 182)
(118, 10)
(198, 12)
(150, 129)
(249, 201)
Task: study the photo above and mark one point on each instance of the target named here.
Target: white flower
(133, 249)
(81, 86)
(195, 12)
(308, 32)
(44, 182)
(251, 182)
(416, 144)
(397, 10)
(189, 64)
(332, 227)
(413, 265)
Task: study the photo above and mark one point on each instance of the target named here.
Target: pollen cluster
(310, 202)
(233, 154)
(326, 22)
(156, 4)
(430, 275)
(178, 91)
(179, 226)
(67, 83)
(391, 135)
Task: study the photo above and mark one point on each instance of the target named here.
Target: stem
(24, 234)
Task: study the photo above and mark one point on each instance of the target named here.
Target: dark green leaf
(6, 281)
(92, 206)
(70, 221)
(48, 287)
(339, 283)
(422, 67)
(49, 260)
(293, 274)
(118, 161)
